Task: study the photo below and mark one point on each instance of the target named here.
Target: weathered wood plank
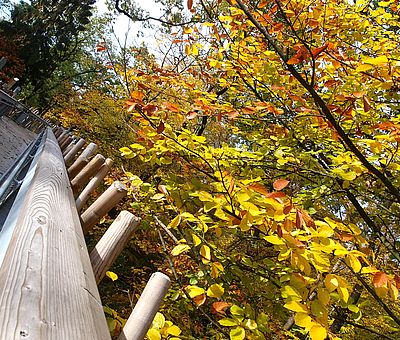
(110, 198)
(112, 243)
(69, 156)
(83, 177)
(146, 308)
(93, 184)
(82, 160)
(47, 287)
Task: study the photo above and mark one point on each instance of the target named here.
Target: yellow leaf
(331, 282)
(343, 293)
(353, 262)
(188, 50)
(187, 30)
(174, 330)
(179, 249)
(274, 239)
(194, 291)
(216, 269)
(196, 240)
(317, 332)
(303, 320)
(195, 50)
(175, 222)
(323, 296)
(296, 306)
(153, 334)
(205, 254)
(158, 321)
(393, 292)
(381, 60)
(215, 291)
(363, 68)
(112, 275)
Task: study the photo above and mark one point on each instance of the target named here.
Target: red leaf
(367, 104)
(219, 307)
(397, 280)
(161, 127)
(258, 188)
(279, 184)
(189, 4)
(287, 209)
(379, 279)
(150, 109)
(299, 219)
(191, 115)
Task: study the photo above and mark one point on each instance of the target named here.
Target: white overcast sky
(123, 24)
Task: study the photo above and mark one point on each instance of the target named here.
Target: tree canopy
(264, 139)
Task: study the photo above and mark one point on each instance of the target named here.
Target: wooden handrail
(47, 287)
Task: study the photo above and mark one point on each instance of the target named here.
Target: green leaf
(237, 333)
(228, 322)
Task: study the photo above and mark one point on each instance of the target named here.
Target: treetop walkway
(48, 280)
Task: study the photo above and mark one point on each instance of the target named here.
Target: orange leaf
(161, 127)
(293, 61)
(317, 51)
(367, 104)
(258, 188)
(379, 279)
(189, 4)
(200, 299)
(275, 194)
(219, 307)
(279, 184)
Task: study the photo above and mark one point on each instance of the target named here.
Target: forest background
(262, 135)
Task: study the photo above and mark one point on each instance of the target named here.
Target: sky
(123, 23)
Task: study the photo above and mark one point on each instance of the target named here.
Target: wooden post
(62, 137)
(82, 160)
(86, 173)
(47, 287)
(112, 243)
(74, 150)
(146, 308)
(66, 142)
(70, 145)
(103, 205)
(93, 184)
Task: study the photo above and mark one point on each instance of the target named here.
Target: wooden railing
(20, 113)
(48, 281)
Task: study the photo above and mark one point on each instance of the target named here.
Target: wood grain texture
(110, 198)
(65, 143)
(93, 184)
(83, 177)
(68, 158)
(82, 160)
(112, 243)
(146, 308)
(47, 287)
